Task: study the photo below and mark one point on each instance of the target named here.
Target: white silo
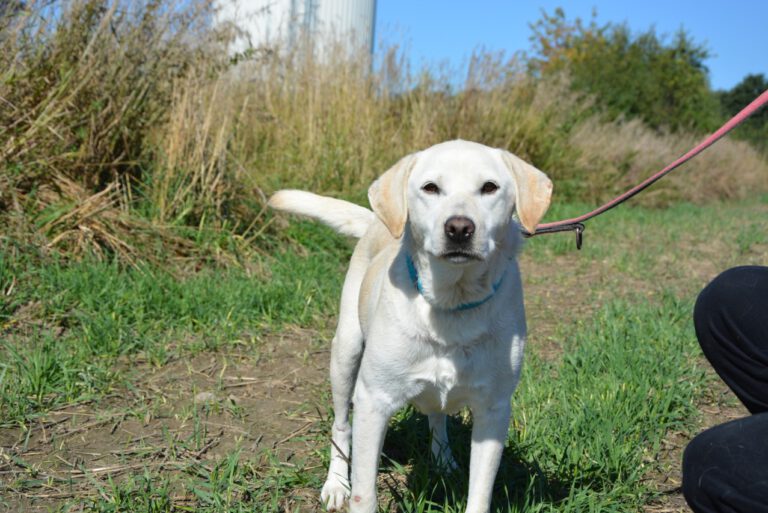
(282, 23)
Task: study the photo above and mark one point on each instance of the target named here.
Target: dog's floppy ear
(387, 195)
(533, 188)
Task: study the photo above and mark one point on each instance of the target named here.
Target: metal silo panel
(282, 22)
(350, 20)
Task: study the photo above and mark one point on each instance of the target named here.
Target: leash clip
(579, 230)
(576, 227)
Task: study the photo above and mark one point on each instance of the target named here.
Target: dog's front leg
(489, 434)
(368, 429)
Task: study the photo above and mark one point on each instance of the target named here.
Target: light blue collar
(464, 306)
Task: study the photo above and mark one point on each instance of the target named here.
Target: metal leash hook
(576, 227)
(579, 229)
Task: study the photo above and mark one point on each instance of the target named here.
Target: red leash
(576, 223)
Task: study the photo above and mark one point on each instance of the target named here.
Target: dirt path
(189, 413)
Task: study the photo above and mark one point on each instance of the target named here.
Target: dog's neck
(449, 286)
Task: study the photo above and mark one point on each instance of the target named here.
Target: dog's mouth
(460, 257)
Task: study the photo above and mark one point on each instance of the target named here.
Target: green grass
(584, 433)
(585, 427)
(588, 423)
(85, 316)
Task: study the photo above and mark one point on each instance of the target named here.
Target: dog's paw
(335, 492)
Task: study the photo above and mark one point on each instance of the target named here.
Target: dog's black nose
(459, 229)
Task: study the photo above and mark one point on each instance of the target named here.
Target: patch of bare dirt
(563, 292)
(189, 412)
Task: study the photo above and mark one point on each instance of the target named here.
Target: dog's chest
(447, 380)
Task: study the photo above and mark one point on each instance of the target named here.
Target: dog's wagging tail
(344, 217)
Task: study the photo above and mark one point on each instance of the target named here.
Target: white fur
(395, 345)
(343, 216)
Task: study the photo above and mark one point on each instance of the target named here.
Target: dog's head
(458, 198)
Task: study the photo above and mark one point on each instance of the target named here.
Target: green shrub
(755, 128)
(664, 83)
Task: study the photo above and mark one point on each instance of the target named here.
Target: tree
(665, 84)
(755, 128)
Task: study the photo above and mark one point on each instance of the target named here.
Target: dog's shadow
(413, 478)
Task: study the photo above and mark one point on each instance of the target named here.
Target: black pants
(725, 468)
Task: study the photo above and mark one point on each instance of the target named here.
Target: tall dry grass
(82, 85)
(622, 153)
(126, 129)
(291, 121)
(333, 126)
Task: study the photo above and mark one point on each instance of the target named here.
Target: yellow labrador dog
(431, 310)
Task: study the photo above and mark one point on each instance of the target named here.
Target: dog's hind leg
(346, 350)
(343, 373)
(441, 450)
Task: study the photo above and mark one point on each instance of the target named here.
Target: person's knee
(711, 298)
(719, 297)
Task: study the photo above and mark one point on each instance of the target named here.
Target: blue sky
(433, 32)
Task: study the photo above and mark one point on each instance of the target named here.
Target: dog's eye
(489, 188)
(430, 188)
